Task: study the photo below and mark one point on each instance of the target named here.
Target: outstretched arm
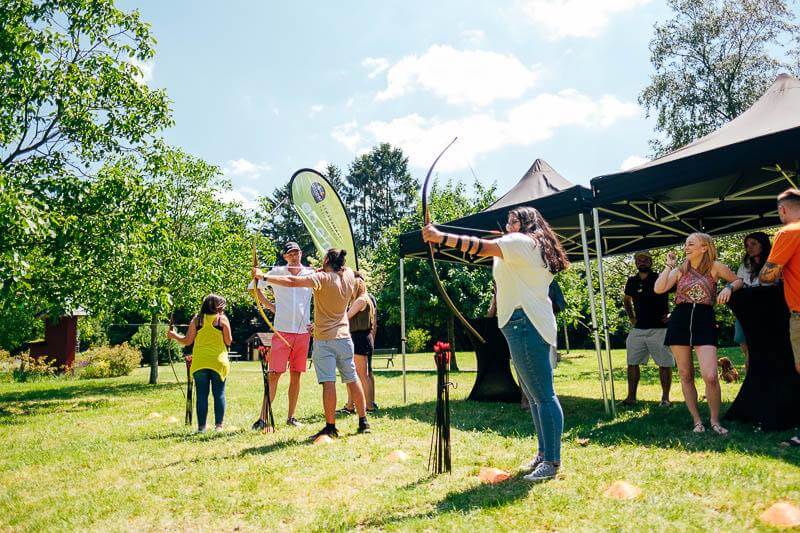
(466, 243)
(284, 281)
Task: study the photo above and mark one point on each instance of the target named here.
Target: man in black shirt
(648, 313)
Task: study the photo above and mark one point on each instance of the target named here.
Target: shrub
(107, 362)
(418, 340)
(27, 368)
(167, 348)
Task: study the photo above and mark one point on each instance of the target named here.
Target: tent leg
(590, 289)
(403, 325)
(602, 278)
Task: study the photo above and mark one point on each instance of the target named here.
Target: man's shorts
(293, 355)
(642, 343)
(794, 335)
(332, 354)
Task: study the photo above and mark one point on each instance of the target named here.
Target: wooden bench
(385, 353)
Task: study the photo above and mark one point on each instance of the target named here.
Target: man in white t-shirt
(292, 310)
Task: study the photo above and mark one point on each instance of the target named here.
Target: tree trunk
(451, 338)
(154, 349)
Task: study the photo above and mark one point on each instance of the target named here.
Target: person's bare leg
(707, 356)
(746, 353)
(683, 357)
(371, 396)
(329, 401)
(294, 391)
(665, 375)
(363, 374)
(357, 393)
(634, 373)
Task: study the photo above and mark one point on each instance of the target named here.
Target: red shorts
(293, 355)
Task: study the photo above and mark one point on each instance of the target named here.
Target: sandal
(719, 430)
(699, 428)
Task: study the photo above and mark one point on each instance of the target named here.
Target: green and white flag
(323, 213)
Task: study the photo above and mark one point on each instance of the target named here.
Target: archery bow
(437, 281)
(254, 293)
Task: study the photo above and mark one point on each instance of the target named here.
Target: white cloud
(320, 166)
(276, 111)
(242, 168)
(481, 133)
(348, 135)
(460, 76)
(350, 102)
(376, 65)
(315, 109)
(575, 18)
(632, 162)
(473, 36)
(145, 67)
(244, 196)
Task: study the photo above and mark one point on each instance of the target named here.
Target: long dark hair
(754, 264)
(531, 222)
(334, 258)
(212, 304)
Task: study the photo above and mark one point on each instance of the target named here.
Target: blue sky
(265, 88)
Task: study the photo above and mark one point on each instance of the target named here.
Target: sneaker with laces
(292, 421)
(546, 470)
(364, 428)
(332, 433)
(530, 466)
(259, 425)
(346, 411)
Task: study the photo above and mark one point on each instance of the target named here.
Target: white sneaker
(543, 472)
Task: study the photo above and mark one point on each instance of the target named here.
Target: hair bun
(344, 253)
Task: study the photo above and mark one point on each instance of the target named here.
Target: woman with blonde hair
(692, 323)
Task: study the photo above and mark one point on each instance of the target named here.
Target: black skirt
(691, 325)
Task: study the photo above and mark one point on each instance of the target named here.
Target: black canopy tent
(725, 182)
(563, 205)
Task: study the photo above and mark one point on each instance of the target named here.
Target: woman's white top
(744, 273)
(522, 279)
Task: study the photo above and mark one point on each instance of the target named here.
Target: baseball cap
(637, 255)
(290, 247)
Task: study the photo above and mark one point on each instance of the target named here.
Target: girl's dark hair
(533, 223)
(334, 258)
(212, 304)
(754, 264)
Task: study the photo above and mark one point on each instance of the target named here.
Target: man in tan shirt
(334, 287)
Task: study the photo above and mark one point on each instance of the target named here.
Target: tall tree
(379, 192)
(712, 60)
(71, 96)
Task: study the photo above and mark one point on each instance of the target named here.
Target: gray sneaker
(530, 466)
(546, 470)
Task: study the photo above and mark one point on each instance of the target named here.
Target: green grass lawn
(95, 455)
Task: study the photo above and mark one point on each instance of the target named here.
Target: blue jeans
(203, 379)
(531, 356)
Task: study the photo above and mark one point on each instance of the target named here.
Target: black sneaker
(259, 425)
(346, 411)
(364, 428)
(292, 421)
(332, 433)
(373, 408)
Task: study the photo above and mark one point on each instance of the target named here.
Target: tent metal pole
(590, 289)
(403, 326)
(602, 278)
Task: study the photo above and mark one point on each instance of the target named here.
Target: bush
(107, 362)
(167, 348)
(418, 340)
(26, 368)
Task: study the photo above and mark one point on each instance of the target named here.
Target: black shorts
(362, 343)
(691, 325)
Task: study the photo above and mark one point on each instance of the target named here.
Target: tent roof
(725, 182)
(540, 180)
(541, 187)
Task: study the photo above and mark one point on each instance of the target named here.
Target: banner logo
(317, 191)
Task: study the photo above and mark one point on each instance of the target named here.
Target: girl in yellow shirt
(210, 331)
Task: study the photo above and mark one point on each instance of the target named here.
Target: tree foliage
(712, 60)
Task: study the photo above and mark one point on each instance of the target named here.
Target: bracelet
(729, 286)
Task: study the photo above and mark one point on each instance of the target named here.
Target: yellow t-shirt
(209, 349)
(333, 292)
